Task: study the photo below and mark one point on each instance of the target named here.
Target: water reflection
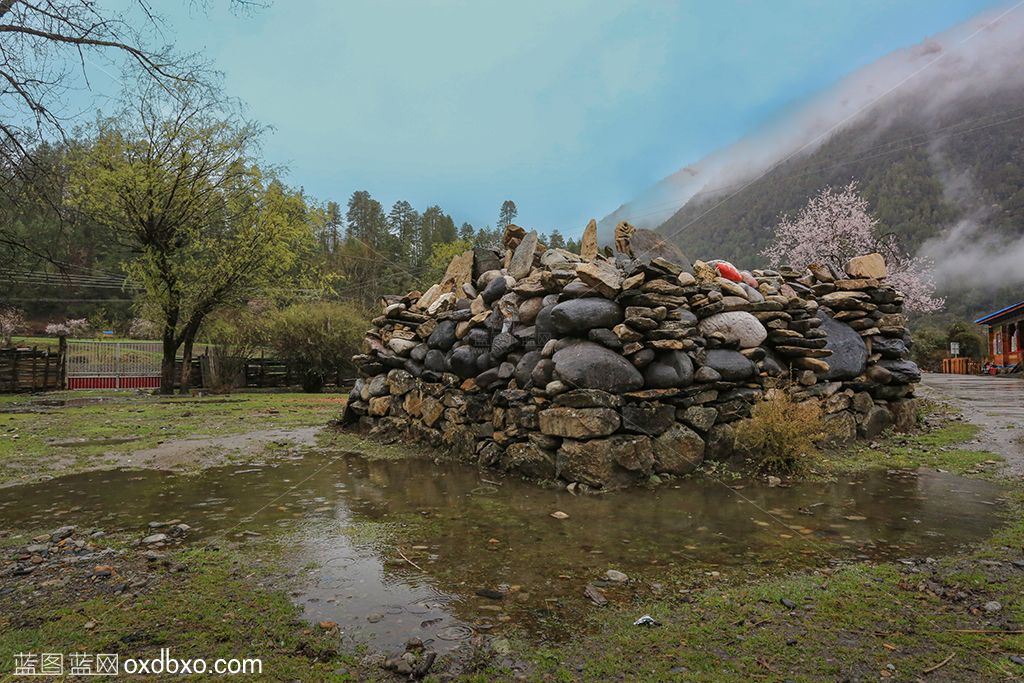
(485, 552)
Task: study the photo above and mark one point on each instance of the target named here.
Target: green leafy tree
(436, 227)
(441, 255)
(972, 345)
(174, 178)
(467, 233)
(488, 237)
(556, 240)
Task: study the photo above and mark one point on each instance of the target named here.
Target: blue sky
(568, 107)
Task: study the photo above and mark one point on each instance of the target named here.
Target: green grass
(210, 610)
(940, 448)
(847, 626)
(27, 439)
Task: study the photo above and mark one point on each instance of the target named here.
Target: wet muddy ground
(390, 550)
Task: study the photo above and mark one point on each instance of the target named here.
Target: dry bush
(781, 433)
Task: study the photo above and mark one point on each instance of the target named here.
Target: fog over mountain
(933, 134)
(975, 59)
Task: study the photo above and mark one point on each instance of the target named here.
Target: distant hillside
(933, 133)
(922, 176)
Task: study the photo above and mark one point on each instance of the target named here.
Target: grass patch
(940, 448)
(852, 625)
(74, 438)
(210, 610)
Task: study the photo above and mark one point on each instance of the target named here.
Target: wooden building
(1005, 335)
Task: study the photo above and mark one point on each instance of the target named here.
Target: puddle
(481, 533)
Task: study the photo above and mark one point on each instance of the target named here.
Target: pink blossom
(12, 321)
(833, 227)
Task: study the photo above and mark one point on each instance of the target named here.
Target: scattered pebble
(615, 576)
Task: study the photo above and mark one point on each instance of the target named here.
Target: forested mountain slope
(941, 181)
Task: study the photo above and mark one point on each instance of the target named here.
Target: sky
(569, 108)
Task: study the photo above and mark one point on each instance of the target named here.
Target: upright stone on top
(867, 266)
(522, 258)
(588, 244)
(458, 273)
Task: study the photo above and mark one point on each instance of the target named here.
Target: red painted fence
(113, 364)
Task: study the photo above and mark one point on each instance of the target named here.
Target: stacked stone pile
(602, 369)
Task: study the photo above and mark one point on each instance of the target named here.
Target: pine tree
(332, 227)
(507, 215)
(556, 241)
(429, 231)
(404, 225)
(467, 232)
(366, 221)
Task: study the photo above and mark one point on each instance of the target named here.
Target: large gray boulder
(522, 258)
(443, 336)
(524, 368)
(586, 365)
(736, 326)
(577, 316)
(890, 347)
(462, 361)
(669, 370)
(903, 371)
(849, 354)
(733, 366)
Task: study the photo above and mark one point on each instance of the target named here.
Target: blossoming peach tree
(833, 227)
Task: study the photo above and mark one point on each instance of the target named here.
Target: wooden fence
(258, 373)
(961, 366)
(35, 369)
(32, 369)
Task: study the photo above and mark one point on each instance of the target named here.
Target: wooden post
(62, 361)
(14, 368)
(46, 370)
(35, 357)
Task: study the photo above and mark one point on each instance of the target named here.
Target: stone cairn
(601, 369)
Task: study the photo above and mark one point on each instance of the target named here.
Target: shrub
(319, 338)
(141, 328)
(232, 337)
(781, 433)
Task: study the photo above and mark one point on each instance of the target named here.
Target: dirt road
(996, 404)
